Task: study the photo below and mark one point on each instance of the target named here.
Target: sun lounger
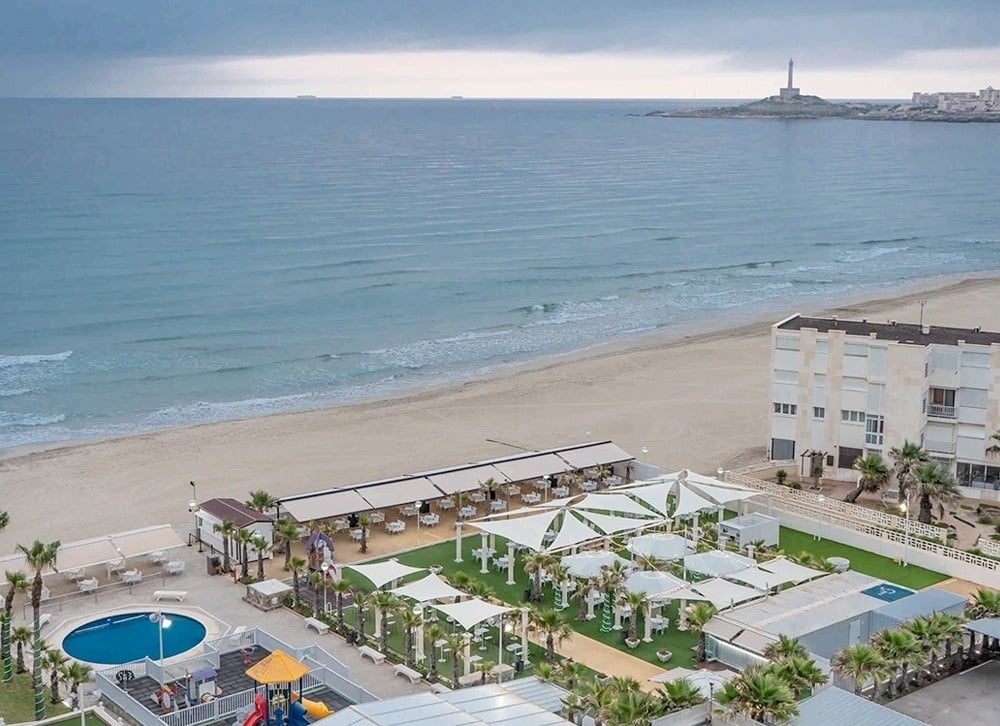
(376, 657)
(44, 619)
(407, 672)
(177, 595)
(318, 625)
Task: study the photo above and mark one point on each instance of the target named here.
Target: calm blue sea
(181, 261)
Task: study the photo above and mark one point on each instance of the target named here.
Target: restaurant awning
(592, 455)
(396, 493)
(323, 506)
(532, 467)
(464, 480)
(145, 541)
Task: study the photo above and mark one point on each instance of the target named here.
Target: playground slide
(259, 714)
(315, 709)
(297, 715)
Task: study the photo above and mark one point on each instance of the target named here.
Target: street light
(193, 508)
(711, 697)
(418, 504)
(905, 506)
(162, 622)
(822, 501)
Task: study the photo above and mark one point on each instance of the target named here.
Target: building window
(821, 346)
(819, 380)
(786, 343)
(819, 412)
(782, 449)
(786, 376)
(788, 409)
(874, 430)
(977, 476)
(847, 456)
(859, 350)
(941, 402)
(853, 383)
(857, 417)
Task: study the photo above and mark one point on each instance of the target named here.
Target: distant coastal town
(789, 103)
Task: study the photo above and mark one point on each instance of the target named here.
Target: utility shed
(750, 528)
(837, 707)
(924, 602)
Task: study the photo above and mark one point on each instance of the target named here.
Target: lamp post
(193, 508)
(161, 622)
(418, 504)
(822, 501)
(905, 506)
(711, 697)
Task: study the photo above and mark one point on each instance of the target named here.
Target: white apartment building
(849, 388)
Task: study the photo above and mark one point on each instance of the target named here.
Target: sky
(495, 48)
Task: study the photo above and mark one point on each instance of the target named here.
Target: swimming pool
(132, 636)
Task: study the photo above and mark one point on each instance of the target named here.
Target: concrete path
(605, 659)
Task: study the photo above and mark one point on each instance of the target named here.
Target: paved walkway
(959, 587)
(605, 659)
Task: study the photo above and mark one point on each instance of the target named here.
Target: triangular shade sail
(756, 577)
(660, 546)
(655, 495)
(690, 502)
(721, 495)
(278, 667)
(589, 563)
(696, 478)
(613, 503)
(469, 613)
(382, 572)
(611, 524)
(652, 582)
(716, 563)
(527, 531)
(427, 588)
(556, 503)
(790, 571)
(572, 532)
(723, 594)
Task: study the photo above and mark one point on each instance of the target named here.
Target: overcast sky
(495, 48)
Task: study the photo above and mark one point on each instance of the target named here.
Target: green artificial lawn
(17, 700)
(868, 563)
(91, 720)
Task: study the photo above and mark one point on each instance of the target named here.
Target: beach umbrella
(717, 563)
(652, 582)
(660, 546)
(589, 563)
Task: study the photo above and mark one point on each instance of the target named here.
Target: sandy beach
(699, 402)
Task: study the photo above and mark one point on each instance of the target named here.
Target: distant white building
(986, 100)
(849, 388)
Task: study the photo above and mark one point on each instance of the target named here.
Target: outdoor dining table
(560, 492)
(356, 534)
(408, 511)
(376, 517)
(477, 497)
(395, 527)
(446, 503)
(466, 512)
(613, 481)
(531, 498)
(429, 520)
(588, 486)
(498, 505)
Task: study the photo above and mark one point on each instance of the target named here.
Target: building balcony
(939, 411)
(940, 447)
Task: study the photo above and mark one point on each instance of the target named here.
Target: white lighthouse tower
(789, 92)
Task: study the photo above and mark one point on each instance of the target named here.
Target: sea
(172, 262)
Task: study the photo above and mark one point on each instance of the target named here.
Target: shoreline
(694, 395)
(694, 330)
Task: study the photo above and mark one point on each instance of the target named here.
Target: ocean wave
(7, 361)
(549, 307)
(667, 238)
(11, 392)
(735, 266)
(893, 241)
(853, 257)
(10, 419)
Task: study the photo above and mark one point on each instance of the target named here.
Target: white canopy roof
(469, 613)
(427, 588)
(653, 494)
(790, 571)
(659, 545)
(464, 480)
(572, 531)
(589, 563)
(584, 457)
(531, 467)
(613, 503)
(759, 578)
(382, 572)
(269, 588)
(690, 502)
(331, 504)
(652, 582)
(611, 524)
(721, 495)
(724, 594)
(527, 531)
(717, 562)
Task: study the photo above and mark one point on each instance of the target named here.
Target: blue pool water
(887, 592)
(132, 636)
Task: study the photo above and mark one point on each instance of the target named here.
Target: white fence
(988, 546)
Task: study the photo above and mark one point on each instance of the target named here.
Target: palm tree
(761, 694)
(949, 629)
(985, 604)
(905, 458)
(859, 662)
(318, 582)
(455, 641)
(433, 633)
(287, 534)
(582, 594)
(54, 660)
(40, 556)
(648, 562)
(385, 604)
(636, 602)
(632, 708)
(297, 565)
(226, 530)
(934, 486)
(872, 476)
(680, 694)
(364, 522)
(483, 667)
(361, 600)
(261, 501)
(73, 674)
(801, 673)
(16, 582)
(928, 637)
(478, 588)
(535, 565)
(340, 588)
(410, 621)
(598, 698)
(19, 636)
(550, 624)
(899, 649)
(261, 546)
(697, 616)
(569, 673)
(785, 647)
(243, 539)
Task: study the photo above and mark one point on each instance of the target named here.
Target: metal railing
(934, 409)
(110, 691)
(214, 710)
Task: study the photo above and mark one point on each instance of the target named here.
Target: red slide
(259, 713)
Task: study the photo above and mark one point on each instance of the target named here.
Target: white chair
(446, 503)
(89, 584)
(376, 517)
(175, 567)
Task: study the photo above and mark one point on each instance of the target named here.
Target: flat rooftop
(899, 332)
(808, 607)
(967, 698)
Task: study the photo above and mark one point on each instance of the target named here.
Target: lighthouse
(789, 92)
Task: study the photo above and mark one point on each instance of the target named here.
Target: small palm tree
(785, 647)
(900, 650)
(985, 604)
(636, 602)
(318, 582)
(697, 616)
(16, 582)
(226, 530)
(478, 588)
(434, 633)
(872, 476)
(535, 565)
(934, 486)
(597, 699)
(549, 623)
(760, 694)
(632, 707)
(340, 588)
(362, 600)
(243, 539)
(680, 694)
(39, 556)
(261, 546)
(364, 522)
(801, 673)
(455, 641)
(905, 458)
(385, 604)
(949, 628)
(261, 501)
(54, 660)
(297, 565)
(287, 534)
(569, 673)
(928, 637)
(73, 674)
(582, 594)
(648, 562)
(861, 663)
(483, 667)
(410, 622)
(19, 637)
